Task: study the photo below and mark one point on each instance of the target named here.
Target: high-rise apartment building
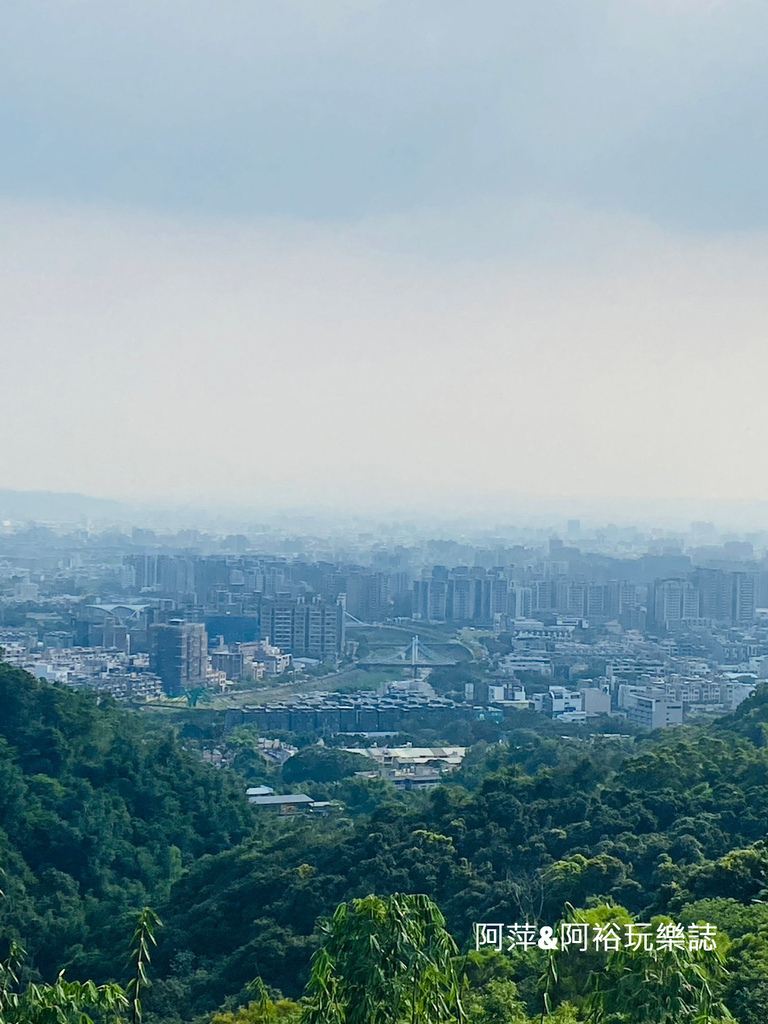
(462, 597)
(461, 594)
(542, 595)
(178, 653)
(744, 595)
(304, 628)
(496, 595)
(430, 599)
(625, 596)
(675, 601)
(728, 596)
(715, 599)
(368, 595)
(520, 602)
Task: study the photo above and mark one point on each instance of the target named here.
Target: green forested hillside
(98, 816)
(652, 835)
(101, 814)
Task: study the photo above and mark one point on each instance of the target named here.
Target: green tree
(660, 986)
(261, 1010)
(324, 764)
(385, 961)
(567, 970)
(498, 1002)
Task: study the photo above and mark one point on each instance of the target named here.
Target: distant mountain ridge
(58, 506)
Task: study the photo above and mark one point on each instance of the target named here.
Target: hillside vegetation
(101, 813)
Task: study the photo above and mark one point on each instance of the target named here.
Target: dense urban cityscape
(581, 623)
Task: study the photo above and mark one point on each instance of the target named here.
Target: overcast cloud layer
(362, 251)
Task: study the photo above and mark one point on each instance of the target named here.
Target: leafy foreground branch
(392, 961)
(59, 1003)
(74, 1001)
(144, 938)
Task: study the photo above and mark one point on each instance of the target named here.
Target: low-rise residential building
(650, 707)
(539, 663)
(654, 712)
(411, 767)
(557, 701)
(266, 658)
(284, 803)
(254, 791)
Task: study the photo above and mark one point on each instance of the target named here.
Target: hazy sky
(371, 251)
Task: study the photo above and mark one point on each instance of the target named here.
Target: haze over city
(384, 255)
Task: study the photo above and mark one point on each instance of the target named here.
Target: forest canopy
(103, 812)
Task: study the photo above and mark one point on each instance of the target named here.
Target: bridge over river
(415, 655)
